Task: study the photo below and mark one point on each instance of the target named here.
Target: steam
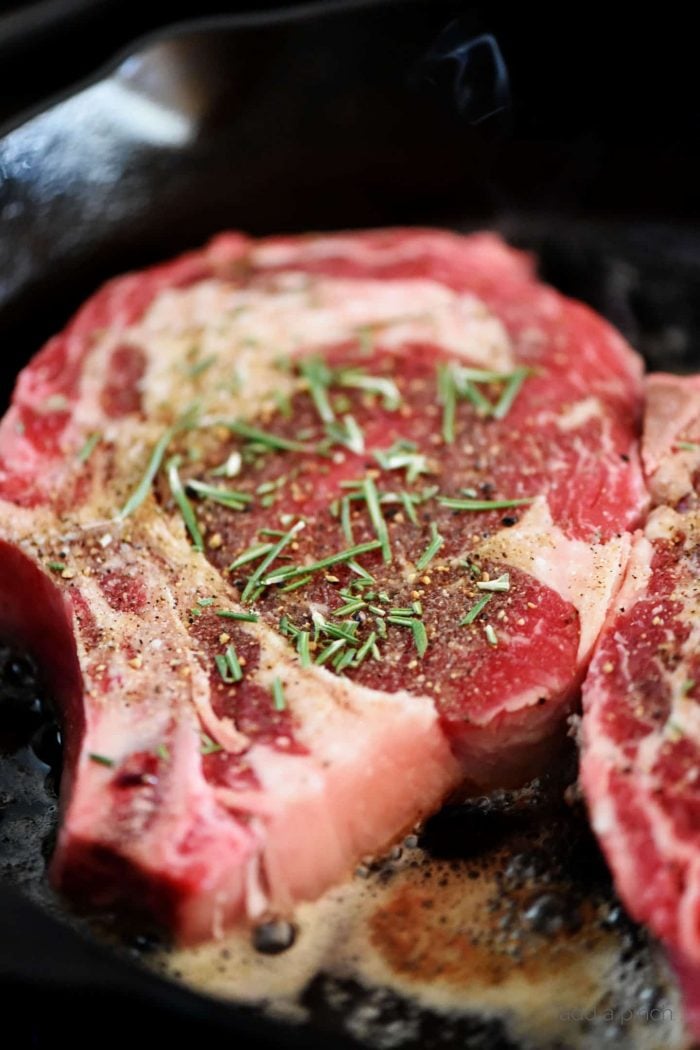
(479, 84)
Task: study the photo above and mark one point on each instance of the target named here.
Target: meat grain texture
(307, 533)
(641, 727)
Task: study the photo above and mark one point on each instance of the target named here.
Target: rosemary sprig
(436, 542)
(180, 497)
(482, 504)
(369, 490)
(477, 608)
(88, 448)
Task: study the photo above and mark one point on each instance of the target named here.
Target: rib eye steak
(308, 532)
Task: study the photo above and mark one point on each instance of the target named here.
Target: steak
(641, 726)
(308, 532)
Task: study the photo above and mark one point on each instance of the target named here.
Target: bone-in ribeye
(307, 532)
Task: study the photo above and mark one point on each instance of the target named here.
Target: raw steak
(308, 532)
(641, 727)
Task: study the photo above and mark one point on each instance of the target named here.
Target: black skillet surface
(579, 142)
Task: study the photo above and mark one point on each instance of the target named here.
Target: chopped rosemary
(229, 614)
(482, 504)
(204, 602)
(420, 636)
(347, 433)
(477, 608)
(208, 746)
(365, 648)
(491, 636)
(230, 467)
(350, 607)
(230, 498)
(101, 760)
(200, 367)
(511, 391)
(345, 521)
(343, 660)
(329, 651)
(500, 584)
(295, 585)
(371, 495)
(303, 639)
(385, 388)
(252, 554)
(277, 548)
(183, 503)
(409, 507)
(447, 397)
(688, 446)
(318, 377)
(324, 563)
(89, 447)
(436, 542)
(228, 666)
(56, 566)
(162, 752)
(144, 486)
(403, 454)
(264, 438)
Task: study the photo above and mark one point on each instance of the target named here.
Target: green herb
(436, 542)
(477, 608)
(230, 467)
(329, 651)
(162, 752)
(89, 447)
(144, 486)
(208, 746)
(385, 388)
(56, 566)
(371, 495)
(295, 585)
(205, 601)
(265, 439)
(687, 686)
(228, 666)
(688, 446)
(350, 607)
(482, 504)
(303, 639)
(510, 393)
(347, 433)
(278, 695)
(345, 521)
(252, 554)
(447, 397)
(198, 369)
(324, 563)
(277, 548)
(409, 507)
(101, 760)
(500, 584)
(420, 636)
(229, 614)
(365, 648)
(491, 636)
(344, 660)
(365, 577)
(403, 454)
(284, 405)
(230, 498)
(318, 377)
(183, 503)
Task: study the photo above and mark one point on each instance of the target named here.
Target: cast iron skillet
(336, 115)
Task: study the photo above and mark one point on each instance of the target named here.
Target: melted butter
(448, 937)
